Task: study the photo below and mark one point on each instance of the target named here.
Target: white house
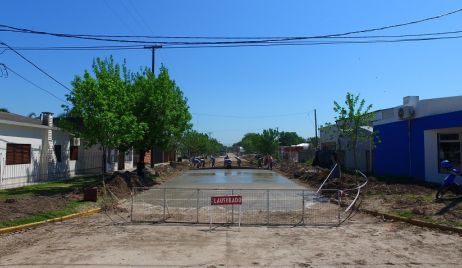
(34, 150)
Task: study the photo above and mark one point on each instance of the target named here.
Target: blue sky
(243, 82)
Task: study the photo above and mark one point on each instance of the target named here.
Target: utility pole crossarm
(153, 49)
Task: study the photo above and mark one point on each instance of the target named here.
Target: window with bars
(17, 154)
(74, 152)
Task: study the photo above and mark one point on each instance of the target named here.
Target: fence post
(197, 206)
(267, 207)
(165, 203)
(339, 197)
(131, 208)
(232, 209)
(1, 169)
(303, 207)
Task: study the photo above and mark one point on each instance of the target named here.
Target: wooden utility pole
(316, 129)
(153, 65)
(153, 49)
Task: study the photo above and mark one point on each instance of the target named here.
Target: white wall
(422, 108)
(331, 133)
(23, 135)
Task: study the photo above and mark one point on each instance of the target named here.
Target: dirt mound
(11, 209)
(121, 183)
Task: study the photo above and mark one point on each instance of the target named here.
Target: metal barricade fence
(259, 207)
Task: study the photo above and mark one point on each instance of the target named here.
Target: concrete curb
(59, 219)
(413, 221)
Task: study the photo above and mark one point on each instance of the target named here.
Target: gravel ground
(109, 240)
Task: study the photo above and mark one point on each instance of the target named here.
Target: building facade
(416, 136)
(34, 150)
(332, 141)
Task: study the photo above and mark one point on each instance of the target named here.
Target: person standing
(270, 162)
(238, 161)
(212, 158)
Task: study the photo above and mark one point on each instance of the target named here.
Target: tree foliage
(194, 143)
(351, 118)
(289, 138)
(105, 106)
(161, 106)
(266, 142)
(118, 109)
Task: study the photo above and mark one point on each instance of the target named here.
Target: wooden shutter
(17, 154)
(74, 153)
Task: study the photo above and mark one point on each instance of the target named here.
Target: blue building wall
(392, 157)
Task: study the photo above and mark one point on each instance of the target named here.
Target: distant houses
(414, 138)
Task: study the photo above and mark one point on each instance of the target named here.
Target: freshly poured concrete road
(261, 190)
(232, 179)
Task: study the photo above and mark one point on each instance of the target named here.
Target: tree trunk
(140, 165)
(104, 168)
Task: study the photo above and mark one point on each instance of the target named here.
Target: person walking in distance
(212, 158)
(270, 162)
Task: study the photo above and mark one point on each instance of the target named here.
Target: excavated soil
(403, 199)
(11, 209)
(119, 184)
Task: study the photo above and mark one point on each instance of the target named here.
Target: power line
(249, 117)
(37, 86)
(304, 43)
(312, 43)
(110, 38)
(33, 64)
(140, 16)
(120, 18)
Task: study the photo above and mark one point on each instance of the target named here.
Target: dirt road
(105, 241)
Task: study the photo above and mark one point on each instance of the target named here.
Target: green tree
(103, 105)
(161, 106)
(289, 138)
(250, 142)
(268, 142)
(194, 143)
(5, 110)
(351, 118)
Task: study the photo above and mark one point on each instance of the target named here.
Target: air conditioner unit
(406, 112)
(75, 142)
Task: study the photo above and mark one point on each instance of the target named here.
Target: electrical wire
(143, 21)
(294, 43)
(305, 43)
(33, 64)
(249, 117)
(110, 38)
(37, 86)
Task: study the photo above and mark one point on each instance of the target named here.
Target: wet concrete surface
(232, 179)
